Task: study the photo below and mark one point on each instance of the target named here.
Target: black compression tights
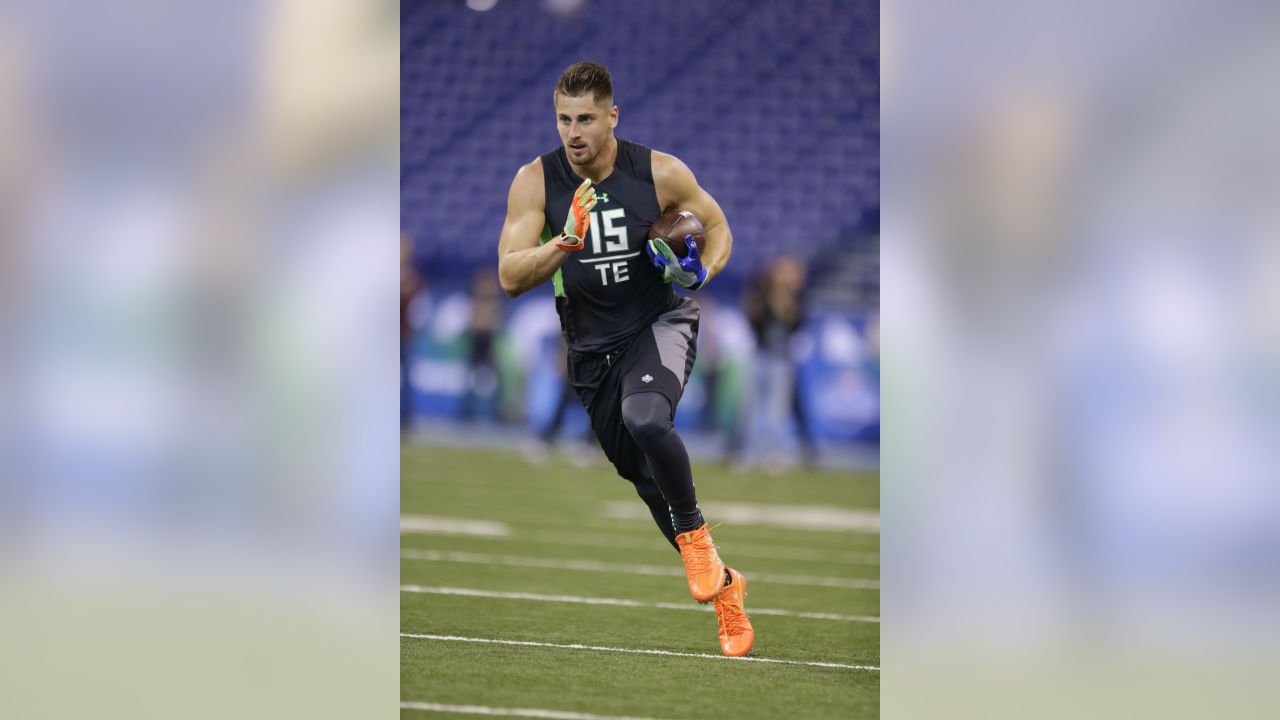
(647, 416)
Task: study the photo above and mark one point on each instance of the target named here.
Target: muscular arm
(523, 264)
(678, 190)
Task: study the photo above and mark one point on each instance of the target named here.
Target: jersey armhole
(646, 167)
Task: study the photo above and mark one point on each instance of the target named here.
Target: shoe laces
(700, 555)
(733, 619)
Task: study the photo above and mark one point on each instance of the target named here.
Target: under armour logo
(647, 378)
(603, 198)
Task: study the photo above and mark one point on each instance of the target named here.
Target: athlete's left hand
(687, 271)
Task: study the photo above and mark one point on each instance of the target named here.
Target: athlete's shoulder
(529, 173)
(526, 187)
(671, 177)
(665, 164)
(669, 167)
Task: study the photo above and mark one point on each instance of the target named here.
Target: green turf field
(549, 558)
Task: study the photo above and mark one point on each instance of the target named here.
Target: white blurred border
(1080, 328)
(199, 494)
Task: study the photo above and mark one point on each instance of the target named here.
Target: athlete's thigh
(661, 358)
(605, 412)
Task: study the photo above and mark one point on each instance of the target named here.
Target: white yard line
(623, 602)
(510, 712)
(791, 517)
(593, 566)
(641, 526)
(419, 524)
(452, 526)
(635, 651)
(771, 552)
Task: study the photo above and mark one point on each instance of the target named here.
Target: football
(673, 226)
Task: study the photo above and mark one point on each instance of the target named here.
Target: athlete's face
(585, 125)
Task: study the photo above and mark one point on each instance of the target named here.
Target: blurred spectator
(410, 285)
(585, 450)
(482, 370)
(775, 309)
(710, 360)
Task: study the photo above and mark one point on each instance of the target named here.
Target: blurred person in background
(583, 455)
(482, 372)
(631, 338)
(775, 309)
(410, 285)
(709, 354)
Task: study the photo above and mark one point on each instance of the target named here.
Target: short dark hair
(580, 78)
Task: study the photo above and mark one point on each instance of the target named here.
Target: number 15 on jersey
(618, 233)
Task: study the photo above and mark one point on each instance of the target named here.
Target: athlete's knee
(647, 416)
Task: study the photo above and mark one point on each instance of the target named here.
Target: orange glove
(575, 226)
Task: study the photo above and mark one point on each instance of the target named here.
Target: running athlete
(631, 339)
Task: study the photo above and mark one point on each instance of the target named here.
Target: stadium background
(774, 106)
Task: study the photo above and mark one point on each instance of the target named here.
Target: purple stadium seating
(773, 105)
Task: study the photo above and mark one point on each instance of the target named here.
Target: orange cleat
(736, 633)
(702, 565)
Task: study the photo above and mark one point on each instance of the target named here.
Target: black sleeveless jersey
(608, 291)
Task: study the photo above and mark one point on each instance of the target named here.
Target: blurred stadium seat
(775, 110)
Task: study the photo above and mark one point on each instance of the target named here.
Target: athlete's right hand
(575, 226)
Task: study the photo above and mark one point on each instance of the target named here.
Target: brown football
(673, 226)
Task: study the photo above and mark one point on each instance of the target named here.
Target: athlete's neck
(601, 166)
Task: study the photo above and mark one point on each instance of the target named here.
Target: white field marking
(771, 552)
(791, 517)
(623, 602)
(643, 528)
(511, 712)
(593, 566)
(637, 651)
(452, 526)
